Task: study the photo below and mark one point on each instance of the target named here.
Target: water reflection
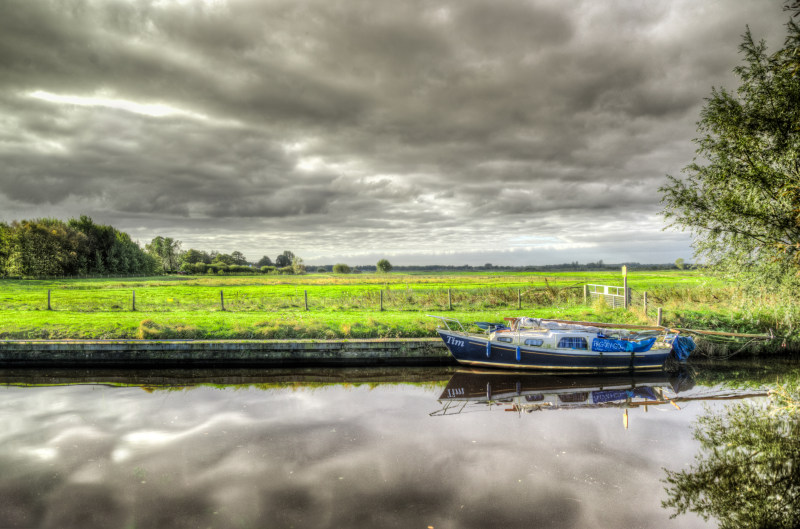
(746, 474)
(322, 448)
(469, 390)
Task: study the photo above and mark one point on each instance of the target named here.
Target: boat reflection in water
(469, 390)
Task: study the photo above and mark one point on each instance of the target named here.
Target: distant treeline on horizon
(563, 267)
(79, 247)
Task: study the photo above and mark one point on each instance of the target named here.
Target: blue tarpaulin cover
(609, 345)
(682, 346)
(599, 397)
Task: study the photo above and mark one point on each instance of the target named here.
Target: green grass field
(348, 306)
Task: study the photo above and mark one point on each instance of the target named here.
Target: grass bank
(348, 306)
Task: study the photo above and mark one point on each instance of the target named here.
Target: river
(352, 448)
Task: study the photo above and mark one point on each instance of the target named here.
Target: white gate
(614, 296)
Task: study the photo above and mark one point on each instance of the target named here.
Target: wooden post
(134, 301)
(585, 293)
(645, 303)
(449, 300)
(222, 300)
(48, 301)
(658, 318)
(519, 298)
(625, 291)
(305, 292)
(381, 300)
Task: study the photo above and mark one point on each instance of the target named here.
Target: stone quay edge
(193, 353)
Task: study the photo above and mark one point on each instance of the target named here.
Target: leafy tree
(341, 268)
(384, 266)
(223, 258)
(742, 200)
(239, 258)
(5, 246)
(44, 247)
(747, 474)
(264, 261)
(297, 265)
(106, 250)
(285, 259)
(680, 263)
(193, 256)
(166, 250)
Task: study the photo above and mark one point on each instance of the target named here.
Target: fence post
(222, 300)
(449, 300)
(48, 301)
(305, 293)
(658, 318)
(585, 293)
(134, 301)
(645, 303)
(625, 291)
(381, 300)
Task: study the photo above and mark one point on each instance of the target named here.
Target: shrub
(239, 269)
(267, 269)
(384, 266)
(341, 268)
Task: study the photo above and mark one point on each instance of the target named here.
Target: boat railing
(447, 321)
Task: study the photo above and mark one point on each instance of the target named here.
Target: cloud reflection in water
(92, 456)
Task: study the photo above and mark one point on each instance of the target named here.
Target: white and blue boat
(559, 345)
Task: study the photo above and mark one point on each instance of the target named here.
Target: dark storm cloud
(314, 121)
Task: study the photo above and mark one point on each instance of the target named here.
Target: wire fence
(245, 300)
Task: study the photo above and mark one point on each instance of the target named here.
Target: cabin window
(534, 398)
(534, 341)
(574, 397)
(572, 342)
(506, 339)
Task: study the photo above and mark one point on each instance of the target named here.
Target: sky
(424, 131)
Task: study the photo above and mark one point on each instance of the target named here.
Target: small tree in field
(297, 266)
(341, 268)
(384, 266)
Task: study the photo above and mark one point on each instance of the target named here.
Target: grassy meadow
(349, 306)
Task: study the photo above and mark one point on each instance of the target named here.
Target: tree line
(195, 261)
(53, 247)
(80, 247)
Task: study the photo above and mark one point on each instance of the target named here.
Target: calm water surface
(339, 449)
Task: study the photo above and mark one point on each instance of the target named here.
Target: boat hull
(473, 350)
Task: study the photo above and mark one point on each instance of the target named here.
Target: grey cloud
(356, 116)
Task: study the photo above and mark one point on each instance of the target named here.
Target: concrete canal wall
(221, 353)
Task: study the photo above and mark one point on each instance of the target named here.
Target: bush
(267, 269)
(384, 266)
(239, 269)
(341, 268)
